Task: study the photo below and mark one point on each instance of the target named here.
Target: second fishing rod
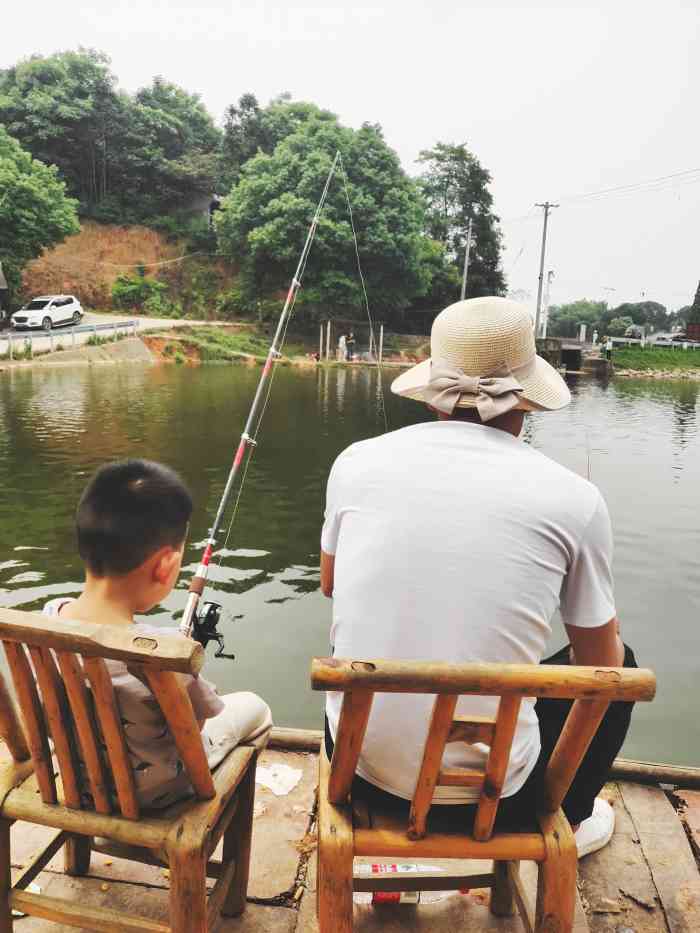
(202, 624)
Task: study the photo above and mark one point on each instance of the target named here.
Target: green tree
(618, 325)
(455, 186)
(250, 128)
(34, 210)
(564, 320)
(694, 312)
(264, 221)
(62, 108)
(125, 158)
(650, 314)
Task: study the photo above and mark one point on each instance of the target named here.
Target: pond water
(638, 439)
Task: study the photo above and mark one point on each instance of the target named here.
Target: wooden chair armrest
(12, 775)
(526, 680)
(168, 651)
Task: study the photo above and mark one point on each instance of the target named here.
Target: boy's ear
(164, 563)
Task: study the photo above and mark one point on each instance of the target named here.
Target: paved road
(64, 337)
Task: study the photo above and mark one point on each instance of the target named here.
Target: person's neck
(103, 600)
(511, 422)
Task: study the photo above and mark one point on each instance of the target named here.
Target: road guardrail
(27, 337)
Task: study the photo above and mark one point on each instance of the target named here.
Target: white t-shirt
(457, 542)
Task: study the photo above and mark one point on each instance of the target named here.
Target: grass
(649, 359)
(219, 343)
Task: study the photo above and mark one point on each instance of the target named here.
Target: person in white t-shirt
(454, 541)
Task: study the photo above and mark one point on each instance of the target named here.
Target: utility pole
(547, 206)
(545, 315)
(467, 250)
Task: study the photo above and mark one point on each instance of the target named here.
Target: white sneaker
(597, 830)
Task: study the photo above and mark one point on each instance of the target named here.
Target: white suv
(47, 311)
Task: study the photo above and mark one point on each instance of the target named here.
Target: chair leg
(501, 902)
(335, 855)
(76, 855)
(188, 891)
(237, 841)
(5, 881)
(556, 878)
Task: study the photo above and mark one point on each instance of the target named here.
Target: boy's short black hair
(128, 511)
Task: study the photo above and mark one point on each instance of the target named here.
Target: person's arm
(327, 573)
(597, 647)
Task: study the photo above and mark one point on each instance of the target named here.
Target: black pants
(517, 812)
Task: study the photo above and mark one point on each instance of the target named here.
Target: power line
(640, 185)
(675, 179)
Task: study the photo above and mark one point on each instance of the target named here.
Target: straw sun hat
(483, 356)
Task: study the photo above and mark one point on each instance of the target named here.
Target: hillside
(88, 264)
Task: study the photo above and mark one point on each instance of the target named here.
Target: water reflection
(638, 440)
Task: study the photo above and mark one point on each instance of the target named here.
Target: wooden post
(72, 333)
(237, 842)
(335, 854)
(328, 340)
(381, 342)
(51, 340)
(9, 340)
(320, 341)
(354, 714)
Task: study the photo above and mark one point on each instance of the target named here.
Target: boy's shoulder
(54, 606)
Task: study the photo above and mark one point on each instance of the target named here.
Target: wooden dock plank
(690, 800)
(668, 855)
(616, 882)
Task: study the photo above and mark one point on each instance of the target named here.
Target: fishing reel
(205, 629)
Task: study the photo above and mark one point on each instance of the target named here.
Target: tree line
(139, 158)
(564, 319)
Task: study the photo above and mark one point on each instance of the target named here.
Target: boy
(132, 523)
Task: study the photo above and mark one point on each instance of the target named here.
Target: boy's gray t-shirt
(159, 773)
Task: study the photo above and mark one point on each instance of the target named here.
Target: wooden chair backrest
(592, 690)
(65, 692)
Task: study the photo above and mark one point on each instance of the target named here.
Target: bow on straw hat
(483, 356)
(495, 394)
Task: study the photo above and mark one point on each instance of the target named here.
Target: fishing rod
(202, 624)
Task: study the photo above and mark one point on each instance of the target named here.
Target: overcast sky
(556, 100)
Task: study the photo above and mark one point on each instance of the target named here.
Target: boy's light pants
(245, 720)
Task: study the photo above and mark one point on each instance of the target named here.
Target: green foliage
(618, 325)
(34, 210)
(125, 158)
(455, 187)
(694, 313)
(136, 291)
(564, 319)
(250, 128)
(651, 358)
(264, 222)
(651, 315)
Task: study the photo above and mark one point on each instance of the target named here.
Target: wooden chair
(64, 691)
(344, 830)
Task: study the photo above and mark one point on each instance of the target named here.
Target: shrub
(180, 358)
(133, 291)
(158, 305)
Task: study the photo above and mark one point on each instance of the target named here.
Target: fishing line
(206, 624)
(364, 291)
